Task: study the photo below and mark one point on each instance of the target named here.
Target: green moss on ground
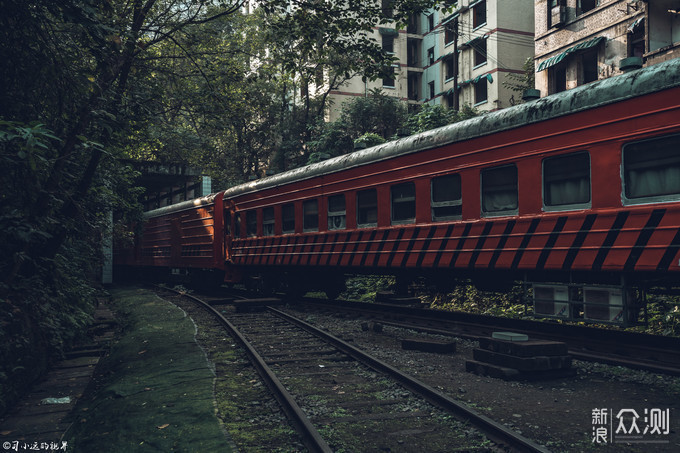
(154, 392)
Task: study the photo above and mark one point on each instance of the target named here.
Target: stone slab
(522, 363)
(510, 336)
(528, 348)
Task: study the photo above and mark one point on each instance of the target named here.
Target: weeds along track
(339, 398)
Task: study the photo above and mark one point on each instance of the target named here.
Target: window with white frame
(446, 202)
(367, 208)
(336, 212)
(268, 221)
(479, 14)
(499, 191)
(310, 215)
(651, 170)
(403, 198)
(288, 218)
(566, 181)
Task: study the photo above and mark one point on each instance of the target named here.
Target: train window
(499, 191)
(367, 208)
(310, 215)
(268, 221)
(237, 224)
(651, 170)
(336, 212)
(288, 215)
(251, 223)
(403, 198)
(446, 198)
(227, 222)
(566, 181)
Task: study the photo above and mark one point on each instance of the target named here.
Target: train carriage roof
(607, 91)
(184, 205)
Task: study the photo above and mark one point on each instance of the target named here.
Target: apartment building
(580, 41)
(454, 58)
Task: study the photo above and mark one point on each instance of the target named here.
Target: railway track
(337, 396)
(646, 352)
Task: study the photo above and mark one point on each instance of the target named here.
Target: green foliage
(434, 116)
(469, 299)
(363, 288)
(368, 139)
(369, 121)
(522, 82)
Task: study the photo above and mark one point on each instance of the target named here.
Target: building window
(446, 201)
(288, 218)
(336, 212)
(587, 5)
(481, 91)
(430, 56)
(413, 24)
(388, 79)
(479, 14)
(663, 26)
(499, 191)
(388, 44)
(449, 67)
(430, 87)
(566, 180)
(651, 170)
(449, 99)
(557, 13)
(367, 208)
(413, 85)
(251, 223)
(557, 79)
(403, 198)
(589, 67)
(449, 33)
(480, 51)
(430, 22)
(636, 38)
(268, 221)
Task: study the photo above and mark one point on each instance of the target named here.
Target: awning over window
(552, 61)
(632, 28)
(473, 41)
(388, 31)
(487, 76)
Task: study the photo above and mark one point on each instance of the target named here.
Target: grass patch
(154, 392)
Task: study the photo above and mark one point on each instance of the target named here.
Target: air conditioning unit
(558, 15)
(603, 304)
(551, 300)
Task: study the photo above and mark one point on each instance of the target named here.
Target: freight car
(571, 191)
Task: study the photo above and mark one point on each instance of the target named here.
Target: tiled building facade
(580, 41)
(465, 54)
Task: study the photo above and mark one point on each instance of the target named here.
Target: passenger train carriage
(578, 187)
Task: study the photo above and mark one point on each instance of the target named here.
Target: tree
(377, 114)
(522, 82)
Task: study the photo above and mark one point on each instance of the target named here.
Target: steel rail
(496, 431)
(310, 436)
(584, 343)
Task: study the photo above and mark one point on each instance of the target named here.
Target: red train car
(186, 237)
(583, 185)
(580, 187)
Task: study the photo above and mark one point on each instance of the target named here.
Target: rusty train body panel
(582, 184)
